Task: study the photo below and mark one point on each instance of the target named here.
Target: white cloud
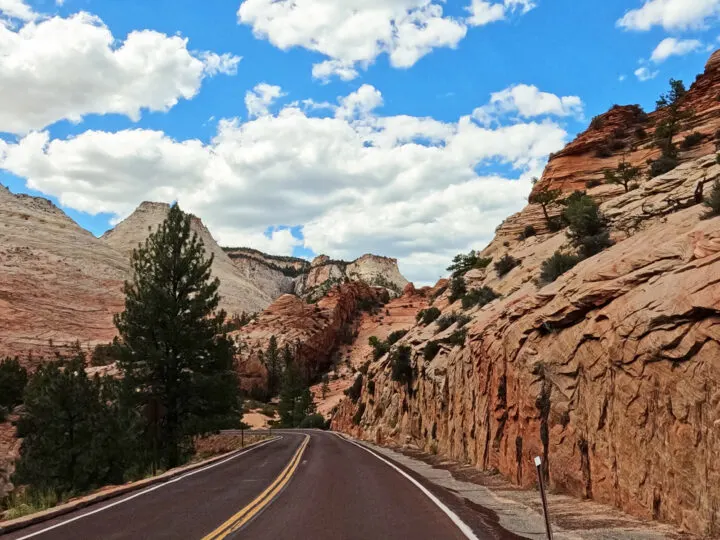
(671, 14)
(17, 9)
(483, 12)
(358, 182)
(66, 68)
(621, 78)
(528, 102)
(674, 47)
(353, 33)
(645, 74)
(259, 99)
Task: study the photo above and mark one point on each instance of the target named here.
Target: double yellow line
(262, 501)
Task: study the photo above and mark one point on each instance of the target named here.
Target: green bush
(380, 348)
(457, 337)
(446, 321)
(504, 265)
(431, 350)
(588, 226)
(355, 390)
(314, 421)
(13, 379)
(691, 140)
(479, 297)
(396, 336)
(401, 368)
(428, 316)
(713, 202)
(557, 265)
(462, 264)
(528, 232)
(457, 288)
(593, 183)
(603, 151)
(662, 165)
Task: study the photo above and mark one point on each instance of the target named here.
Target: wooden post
(541, 482)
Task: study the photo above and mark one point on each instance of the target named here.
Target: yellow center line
(261, 501)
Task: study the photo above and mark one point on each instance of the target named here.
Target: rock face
(611, 373)
(313, 331)
(237, 293)
(57, 281)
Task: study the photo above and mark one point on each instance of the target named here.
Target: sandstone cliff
(611, 372)
(57, 281)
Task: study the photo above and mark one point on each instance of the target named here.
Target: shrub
(593, 183)
(13, 379)
(457, 288)
(504, 265)
(355, 390)
(446, 321)
(380, 348)
(603, 151)
(428, 316)
(431, 350)
(479, 297)
(401, 368)
(314, 421)
(640, 133)
(371, 387)
(662, 165)
(713, 202)
(616, 145)
(364, 368)
(106, 354)
(634, 186)
(691, 140)
(457, 337)
(623, 176)
(596, 123)
(557, 265)
(358, 414)
(396, 336)
(529, 232)
(462, 264)
(556, 224)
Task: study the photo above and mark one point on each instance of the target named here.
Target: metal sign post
(541, 482)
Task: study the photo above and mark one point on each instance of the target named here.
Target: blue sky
(438, 165)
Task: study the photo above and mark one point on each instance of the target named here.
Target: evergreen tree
(272, 362)
(176, 357)
(13, 378)
(546, 198)
(296, 401)
(624, 175)
(73, 439)
(325, 388)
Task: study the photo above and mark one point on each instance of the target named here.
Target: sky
(405, 128)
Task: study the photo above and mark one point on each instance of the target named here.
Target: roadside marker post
(541, 482)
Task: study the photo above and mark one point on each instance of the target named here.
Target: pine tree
(546, 198)
(325, 388)
(272, 362)
(13, 378)
(624, 175)
(296, 401)
(73, 437)
(177, 359)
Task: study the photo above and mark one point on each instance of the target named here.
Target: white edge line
(143, 492)
(464, 528)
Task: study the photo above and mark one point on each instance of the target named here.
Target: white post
(541, 482)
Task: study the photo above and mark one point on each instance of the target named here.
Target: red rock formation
(314, 331)
(611, 373)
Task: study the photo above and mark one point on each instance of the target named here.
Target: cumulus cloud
(528, 102)
(57, 68)
(674, 47)
(645, 74)
(355, 181)
(259, 99)
(17, 9)
(353, 33)
(483, 12)
(671, 14)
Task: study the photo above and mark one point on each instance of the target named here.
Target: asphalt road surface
(305, 484)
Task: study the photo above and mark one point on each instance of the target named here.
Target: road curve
(307, 484)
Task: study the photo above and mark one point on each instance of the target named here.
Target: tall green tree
(73, 437)
(296, 400)
(13, 378)
(177, 358)
(273, 364)
(671, 124)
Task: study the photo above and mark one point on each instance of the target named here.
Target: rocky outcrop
(237, 293)
(610, 373)
(58, 283)
(313, 331)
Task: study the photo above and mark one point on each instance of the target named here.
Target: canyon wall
(612, 372)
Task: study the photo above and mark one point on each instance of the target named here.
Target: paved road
(304, 485)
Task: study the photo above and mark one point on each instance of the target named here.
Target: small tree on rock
(624, 175)
(546, 198)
